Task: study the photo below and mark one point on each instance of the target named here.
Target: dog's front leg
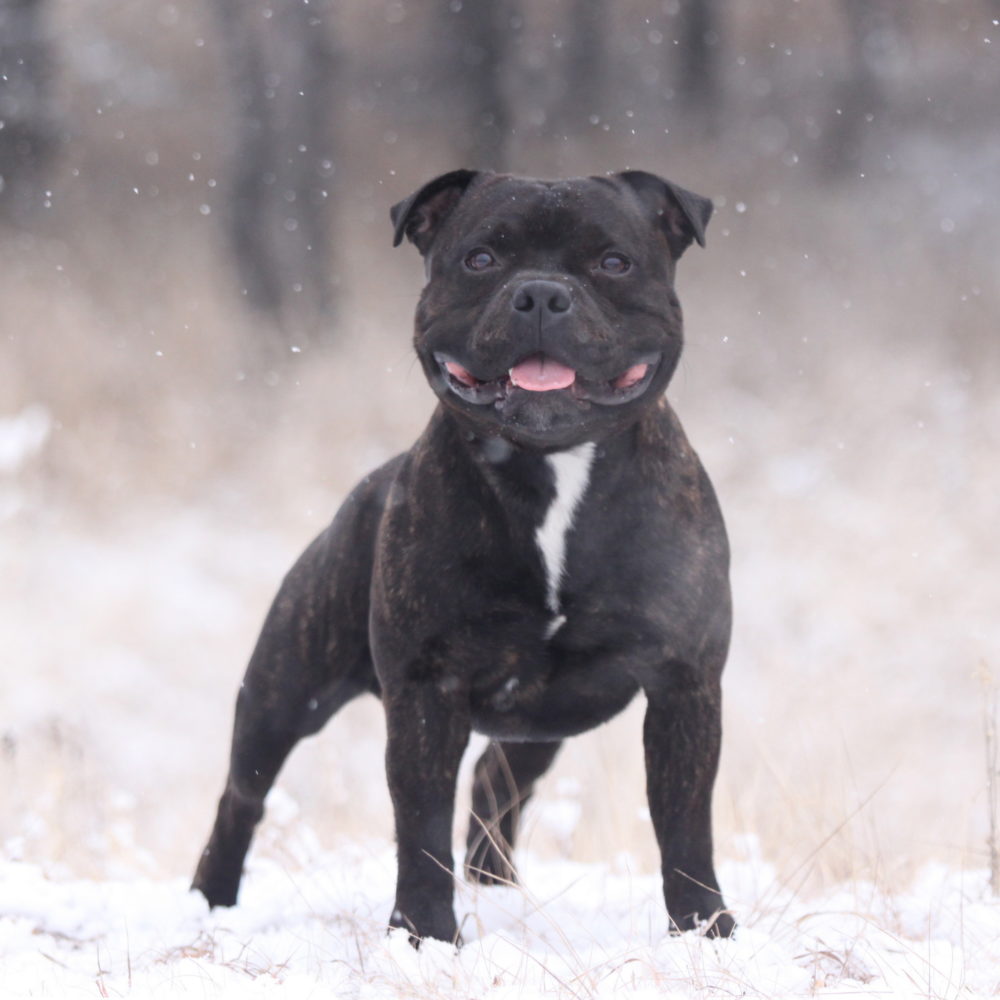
(428, 729)
(682, 734)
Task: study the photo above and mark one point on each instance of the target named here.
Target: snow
(851, 819)
(572, 930)
(859, 783)
(156, 481)
(21, 436)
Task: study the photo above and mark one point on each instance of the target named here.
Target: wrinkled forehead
(548, 214)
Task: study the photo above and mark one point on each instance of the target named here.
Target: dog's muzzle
(541, 373)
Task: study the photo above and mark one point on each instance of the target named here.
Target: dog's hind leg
(312, 658)
(263, 736)
(505, 777)
(282, 699)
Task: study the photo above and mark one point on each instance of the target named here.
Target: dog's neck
(541, 494)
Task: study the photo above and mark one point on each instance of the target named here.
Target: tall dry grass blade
(990, 718)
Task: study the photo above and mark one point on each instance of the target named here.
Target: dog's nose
(542, 297)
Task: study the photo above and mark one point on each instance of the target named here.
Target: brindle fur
(429, 590)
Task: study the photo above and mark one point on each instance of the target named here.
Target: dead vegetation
(839, 381)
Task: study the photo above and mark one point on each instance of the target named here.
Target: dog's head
(549, 315)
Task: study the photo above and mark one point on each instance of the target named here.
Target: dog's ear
(683, 214)
(420, 216)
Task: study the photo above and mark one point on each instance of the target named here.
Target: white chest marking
(571, 470)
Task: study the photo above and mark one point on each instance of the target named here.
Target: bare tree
(474, 46)
(696, 70)
(586, 63)
(281, 63)
(26, 128)
(860, 95)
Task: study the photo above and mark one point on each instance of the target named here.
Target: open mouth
(540, 373)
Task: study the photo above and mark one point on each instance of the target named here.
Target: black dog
(548, 548)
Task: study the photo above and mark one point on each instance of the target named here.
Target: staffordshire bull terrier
(550, 547)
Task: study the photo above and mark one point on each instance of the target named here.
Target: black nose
(543, 296)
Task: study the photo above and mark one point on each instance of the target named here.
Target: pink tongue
(463, 375)
(629, 378)
(541, 374)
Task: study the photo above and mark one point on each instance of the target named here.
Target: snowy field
(164, 458)
(852, 817)
(317, 929)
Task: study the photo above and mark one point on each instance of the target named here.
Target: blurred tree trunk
(860, 95)
(475, 46)
(697, 76)
(26, 126)
(281, 64)
(586, 65)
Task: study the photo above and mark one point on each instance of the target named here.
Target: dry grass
(839, 381)
(859, 499)
(991, 717)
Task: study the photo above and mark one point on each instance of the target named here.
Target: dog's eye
(480, 260)
(615, 263)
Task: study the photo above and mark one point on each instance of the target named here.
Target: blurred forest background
(204, 343)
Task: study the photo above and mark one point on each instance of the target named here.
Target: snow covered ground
(851, 819)
(851, 813)
(153, 490)
(573, 931)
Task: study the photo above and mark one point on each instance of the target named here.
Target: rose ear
(683, 214)
(420, 216)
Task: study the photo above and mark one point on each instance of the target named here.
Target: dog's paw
(485, 864)
(426, 922)
(719, 924)
(218, 884)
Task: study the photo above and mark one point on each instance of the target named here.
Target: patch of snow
(571, 930)
(23, 436)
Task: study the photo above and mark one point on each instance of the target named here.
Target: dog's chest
(571, 471)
